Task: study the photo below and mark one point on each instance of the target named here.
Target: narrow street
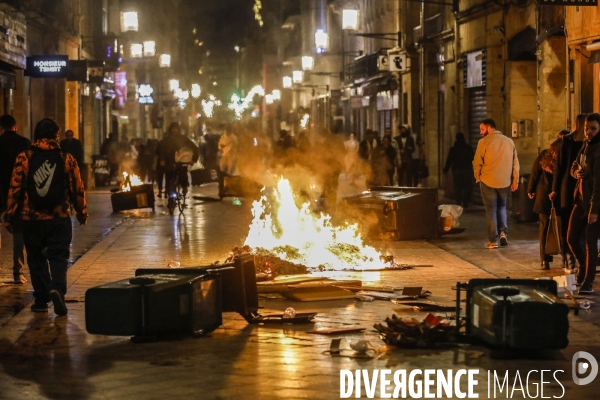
(42, 356)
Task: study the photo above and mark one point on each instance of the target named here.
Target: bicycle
(176, 197)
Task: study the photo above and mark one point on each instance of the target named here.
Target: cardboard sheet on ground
(336, 331)
(318, 293)
(290, 284)
(300, 318)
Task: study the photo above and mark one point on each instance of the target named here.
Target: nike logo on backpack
(43, 178)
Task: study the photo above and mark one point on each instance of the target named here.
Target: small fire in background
(129, 181)
(296, 235)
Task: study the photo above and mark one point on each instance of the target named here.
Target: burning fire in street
(298, 236)
(129, 181)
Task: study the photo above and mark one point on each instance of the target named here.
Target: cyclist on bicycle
(176, 147)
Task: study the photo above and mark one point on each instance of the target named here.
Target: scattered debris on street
(410, 332)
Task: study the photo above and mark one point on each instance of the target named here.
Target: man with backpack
(11, 144)
(45, 183)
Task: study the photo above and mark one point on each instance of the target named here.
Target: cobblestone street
(42, 356)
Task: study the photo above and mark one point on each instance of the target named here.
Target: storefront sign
(120, 90)
(145, 94)
(474, 73)
(47, 66)
(577, 3)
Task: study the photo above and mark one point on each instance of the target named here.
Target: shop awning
(378, 84)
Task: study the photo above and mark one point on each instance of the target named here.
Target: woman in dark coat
(540, 186)
(460, 159)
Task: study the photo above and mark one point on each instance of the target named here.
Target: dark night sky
(222, 24)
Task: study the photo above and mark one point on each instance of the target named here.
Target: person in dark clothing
(406, 148)
(366, 146)
(365, 151)
(563, 186)
(47, 226)
(146, 160)
(174, 143)
(110, 149)
(584, 218)
(160, 163)
(384, 162)
(539, 187)
(11, 144)
(73, 147)
(460, 159)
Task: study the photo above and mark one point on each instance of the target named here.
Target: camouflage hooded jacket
(18, 201)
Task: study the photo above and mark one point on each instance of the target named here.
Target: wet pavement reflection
(42, 356)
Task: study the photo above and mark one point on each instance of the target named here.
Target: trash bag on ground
(451, 210)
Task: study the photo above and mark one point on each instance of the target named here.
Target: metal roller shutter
(477, 113)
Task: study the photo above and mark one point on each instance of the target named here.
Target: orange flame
(129, 181)
(296, 235)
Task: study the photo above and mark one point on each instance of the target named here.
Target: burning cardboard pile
(290, 238)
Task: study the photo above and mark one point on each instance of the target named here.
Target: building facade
(531, 68)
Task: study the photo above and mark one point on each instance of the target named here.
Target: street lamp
(136, 50)
(173, 85)
(196, 90)
(149, 48)
(321, 40)
(350, 19)
(297, 76)
(350, 23)
(276, 94)
(308, 63)
(287, 82)
(164, 60)
(129, 21)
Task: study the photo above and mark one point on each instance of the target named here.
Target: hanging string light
(257, 7)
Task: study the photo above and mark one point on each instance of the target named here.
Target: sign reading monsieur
(47, 66)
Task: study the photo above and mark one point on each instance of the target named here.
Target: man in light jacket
(496, 169)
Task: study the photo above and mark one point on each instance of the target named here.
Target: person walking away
(460, 159)
(538, 188)
(496, 169)
(11, 144)
(45, 183)
(177, 143)
(563, 187)
(406, 148)
(74, 147)
(584, 218)
(161, 156)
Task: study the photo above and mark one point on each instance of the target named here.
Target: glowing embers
(129, 181)
(297, 235)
